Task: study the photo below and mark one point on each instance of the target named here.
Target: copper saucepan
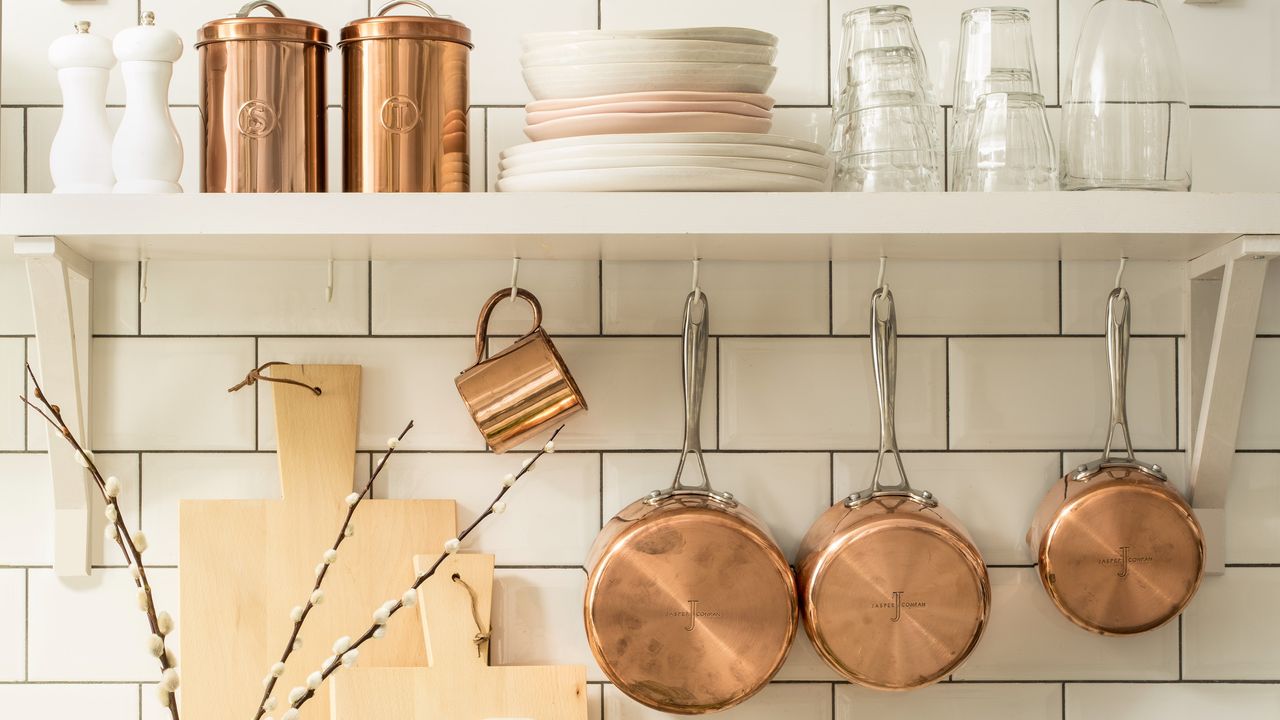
(893, 592)
(690, 604)
(1118, 548)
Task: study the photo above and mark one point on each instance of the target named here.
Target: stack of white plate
(679, 109)
(666, 162)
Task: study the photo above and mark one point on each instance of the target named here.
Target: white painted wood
(649, 226)
(1219, 373)
(61, 291)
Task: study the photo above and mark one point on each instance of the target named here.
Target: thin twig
(122, 536)
(395, 607)
(272, 676)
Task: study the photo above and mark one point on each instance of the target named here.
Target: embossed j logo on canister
(897, 607)
(399, 114)
(693, 615)
(1124, 561)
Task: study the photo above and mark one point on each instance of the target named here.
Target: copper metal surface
(262, 103)
(405, 104)
(524, 388)
(690, 605)
(893, 592)
(1118, 549)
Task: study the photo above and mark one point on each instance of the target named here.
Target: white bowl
(536, 41)
(729, 106)
(812, 172)
(653, 138)
(763, 102)
(637, 152)
(641, 50)
(659, 122)
(660, 179)
(566, 81)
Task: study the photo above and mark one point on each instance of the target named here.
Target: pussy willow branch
(273, 678)
(53, 415)
(424, 576)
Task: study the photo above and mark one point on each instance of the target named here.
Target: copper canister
(262, 103)
(405, 102)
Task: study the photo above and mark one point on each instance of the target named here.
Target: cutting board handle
(448, 618)
(317, 433)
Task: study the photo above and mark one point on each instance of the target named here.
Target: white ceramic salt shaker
(80, 159)
(147, 152)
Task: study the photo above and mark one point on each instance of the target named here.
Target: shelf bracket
(1224, 298)
(61, 292)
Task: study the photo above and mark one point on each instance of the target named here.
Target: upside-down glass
(1126, 122)
(885, 134)
(996, 55)
(869, 28)
(873, 27)
(1009, 147)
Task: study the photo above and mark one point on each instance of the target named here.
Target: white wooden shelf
(1224, 239)
(643, 226)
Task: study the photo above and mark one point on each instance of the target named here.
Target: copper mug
(522, 389)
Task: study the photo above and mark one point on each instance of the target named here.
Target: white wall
(1002, 385)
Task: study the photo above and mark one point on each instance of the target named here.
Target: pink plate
(616, 123)
(652, 106)
(760, 100)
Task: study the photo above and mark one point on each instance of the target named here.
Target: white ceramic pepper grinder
(80, 159)
(147, 152)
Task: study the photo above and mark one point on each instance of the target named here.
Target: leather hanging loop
(257, 374)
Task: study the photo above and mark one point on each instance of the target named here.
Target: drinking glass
(1009, 147)
(872, 28)
(1126, 122)
(996, 55)
(885, 135)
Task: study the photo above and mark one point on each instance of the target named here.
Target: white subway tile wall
(995, 397)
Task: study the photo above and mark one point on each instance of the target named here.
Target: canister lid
(411, 27)
(241, 26)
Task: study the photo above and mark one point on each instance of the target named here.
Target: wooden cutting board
(245, 563)
(459, 683)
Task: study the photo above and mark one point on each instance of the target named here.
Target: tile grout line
(26, 412)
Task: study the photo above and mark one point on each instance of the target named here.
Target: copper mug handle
(482, 325)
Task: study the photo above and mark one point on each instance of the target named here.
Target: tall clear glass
(996, 55)
(1009, 147)
(1126, 124)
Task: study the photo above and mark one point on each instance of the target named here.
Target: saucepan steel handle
(482, 325)
(1118, 366)
(884, 362)
(696, 337)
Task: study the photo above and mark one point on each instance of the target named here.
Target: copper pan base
(690, 605)
(894, 595)
(1119, 552)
